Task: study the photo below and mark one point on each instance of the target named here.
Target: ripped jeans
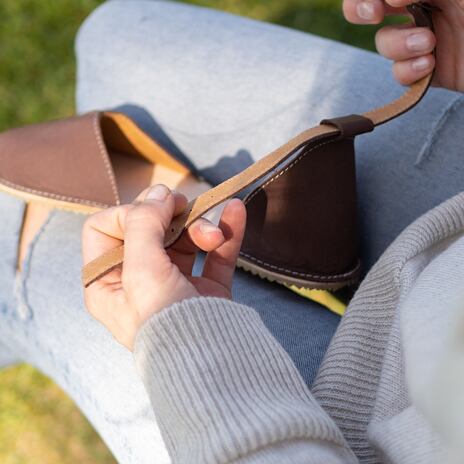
(221, 91)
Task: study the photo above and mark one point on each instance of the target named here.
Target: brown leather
(62, 160)
(350, 126)
(313, 143)
(70, 160)
(315, 239)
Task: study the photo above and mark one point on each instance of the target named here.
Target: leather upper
(64, 160)
(71, 160)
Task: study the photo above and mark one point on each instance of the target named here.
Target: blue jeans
(221, 91)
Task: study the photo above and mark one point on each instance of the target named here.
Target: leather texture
(350, 126)
(69, 160)
(63, 160)
(302, 222)
(320, 248)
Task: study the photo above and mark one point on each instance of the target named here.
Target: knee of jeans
(99, 47)
(105, 35)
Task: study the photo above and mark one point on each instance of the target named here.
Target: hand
(411, 47)
(154, 277)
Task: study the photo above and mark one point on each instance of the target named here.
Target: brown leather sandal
(281, 244)
(316, 169)
(84, 163)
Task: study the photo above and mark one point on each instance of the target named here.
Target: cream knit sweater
(390, 389)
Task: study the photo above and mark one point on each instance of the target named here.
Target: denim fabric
(220, 91)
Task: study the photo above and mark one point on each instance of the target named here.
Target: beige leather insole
(133, 175)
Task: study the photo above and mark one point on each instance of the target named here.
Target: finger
(368, 11)
(145, 259)
(101, 299)
(203, 235)
(103, 231)
(180, 203)
(179, 198)
(220, 263)
(410, 71)
(400, 43)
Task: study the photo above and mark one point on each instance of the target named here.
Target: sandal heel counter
(302, 223)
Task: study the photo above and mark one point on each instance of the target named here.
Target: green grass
(38, 422)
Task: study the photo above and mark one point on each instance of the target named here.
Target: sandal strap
(422, 14)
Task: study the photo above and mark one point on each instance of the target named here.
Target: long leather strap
(196, 208)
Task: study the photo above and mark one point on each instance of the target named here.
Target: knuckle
(385, 31)
(89, 223)
(400, 75)
(385, 41)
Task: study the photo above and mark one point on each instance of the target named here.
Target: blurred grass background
(39, 424)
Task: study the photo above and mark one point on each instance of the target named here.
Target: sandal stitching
(73, 199)
(52, 195)
(105, 157)
(302, 274)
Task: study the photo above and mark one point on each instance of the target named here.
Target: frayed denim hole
(23, 307)
(440, 122)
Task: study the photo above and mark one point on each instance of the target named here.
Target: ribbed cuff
(221, 386)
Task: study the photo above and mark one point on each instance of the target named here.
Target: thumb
(145, 259)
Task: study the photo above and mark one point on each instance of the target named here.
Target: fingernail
(158, 192)
(366, 10)
(206, 228)
(418, 42)
(421, 64)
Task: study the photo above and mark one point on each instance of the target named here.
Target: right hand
(153, 277)
(411, 47)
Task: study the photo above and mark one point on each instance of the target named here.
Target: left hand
(411, 47)
(153, 277)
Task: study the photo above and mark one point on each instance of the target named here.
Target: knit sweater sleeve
(224, 391)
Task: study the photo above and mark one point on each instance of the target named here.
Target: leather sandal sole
(50, 202)
(339, 282)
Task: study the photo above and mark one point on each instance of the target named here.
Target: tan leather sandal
(315, 170)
